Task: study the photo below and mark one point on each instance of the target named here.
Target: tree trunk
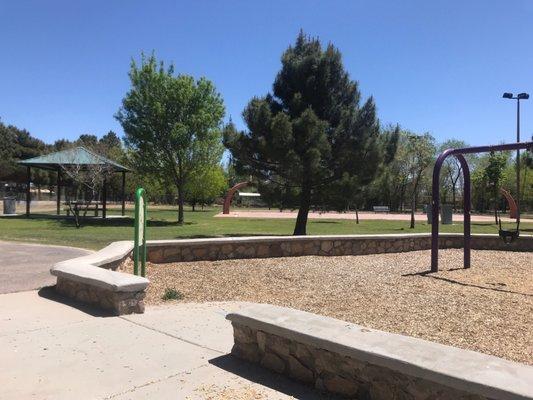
(181, 202)
(193, 205)
(413, 202)
(496, 212)
(412, 226)
(303, 211)
(453, 197)
(357, 215)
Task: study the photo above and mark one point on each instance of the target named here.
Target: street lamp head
(507, 95)
(523, 96)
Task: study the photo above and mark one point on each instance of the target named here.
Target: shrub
(172, 294)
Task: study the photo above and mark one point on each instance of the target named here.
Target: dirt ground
(363, 215)
(487, 308)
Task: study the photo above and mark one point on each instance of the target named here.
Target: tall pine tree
(311, 131)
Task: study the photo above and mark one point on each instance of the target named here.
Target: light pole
(518, 97)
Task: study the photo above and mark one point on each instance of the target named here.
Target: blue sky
(436, 66)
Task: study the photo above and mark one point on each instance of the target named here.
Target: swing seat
(509, 236)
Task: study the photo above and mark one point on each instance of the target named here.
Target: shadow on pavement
(49, 293)
(264, 377)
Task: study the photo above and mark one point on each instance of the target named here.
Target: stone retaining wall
(118, 303)
(331, 372)
(93, 280)
(291, 246)
(357, 362)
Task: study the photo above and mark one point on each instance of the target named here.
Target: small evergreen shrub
(172, 294)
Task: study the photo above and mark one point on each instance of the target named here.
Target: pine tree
(311, 131)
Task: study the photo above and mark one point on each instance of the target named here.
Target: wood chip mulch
(487, 308)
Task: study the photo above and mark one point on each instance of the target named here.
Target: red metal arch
(513, 209)
(230, 194)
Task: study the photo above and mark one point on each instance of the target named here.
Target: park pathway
(26, 266)
(52, 350)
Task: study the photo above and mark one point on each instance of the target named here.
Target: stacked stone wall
(117, 303)
(335, 373)
(290, 246)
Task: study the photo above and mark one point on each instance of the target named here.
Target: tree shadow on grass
(49, 293)
(119, 222)
(262, 376)
(111, 221)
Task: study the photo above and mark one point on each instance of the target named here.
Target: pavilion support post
(58, 193)
(104, 198)
(28, 192)
(123, 193)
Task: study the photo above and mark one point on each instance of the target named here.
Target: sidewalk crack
(172, 336)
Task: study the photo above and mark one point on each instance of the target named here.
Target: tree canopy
(172, 123)
(311, 131)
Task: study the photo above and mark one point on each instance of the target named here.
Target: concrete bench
(91, 280)
(350, 360)
(381, 208)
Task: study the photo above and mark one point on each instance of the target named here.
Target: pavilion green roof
(74, 156)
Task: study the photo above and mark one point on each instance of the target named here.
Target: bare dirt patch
(487, 308)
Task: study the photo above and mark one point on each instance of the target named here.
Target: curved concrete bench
(92, 279)
(351, 360)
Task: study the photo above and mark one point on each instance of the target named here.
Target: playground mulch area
(487, 308)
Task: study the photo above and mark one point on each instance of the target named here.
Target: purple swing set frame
(435, 202)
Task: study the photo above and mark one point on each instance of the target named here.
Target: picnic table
(82, 205)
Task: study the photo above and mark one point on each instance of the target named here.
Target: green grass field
(95, 233)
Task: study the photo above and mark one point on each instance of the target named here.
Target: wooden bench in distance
(350, 360)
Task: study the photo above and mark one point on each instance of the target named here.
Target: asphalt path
(26, 266)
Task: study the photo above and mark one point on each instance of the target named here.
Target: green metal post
(139, 248)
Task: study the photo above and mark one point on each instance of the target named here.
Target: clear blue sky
(437, 66)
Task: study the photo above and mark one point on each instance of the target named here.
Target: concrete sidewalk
(25, 266)
(52, 350)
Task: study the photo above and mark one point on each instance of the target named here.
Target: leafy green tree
(494, 175)
(204, 185)
(111, 146)
(452, 172)
(62, 144)
(88, 140)
(171, 122)
(281, 195)
(15, 145)
(415, 154)
(8, 140)
(111, 140)
(311, 131)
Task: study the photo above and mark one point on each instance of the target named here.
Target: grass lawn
(95, 234)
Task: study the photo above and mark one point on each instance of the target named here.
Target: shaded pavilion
(83, 159)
